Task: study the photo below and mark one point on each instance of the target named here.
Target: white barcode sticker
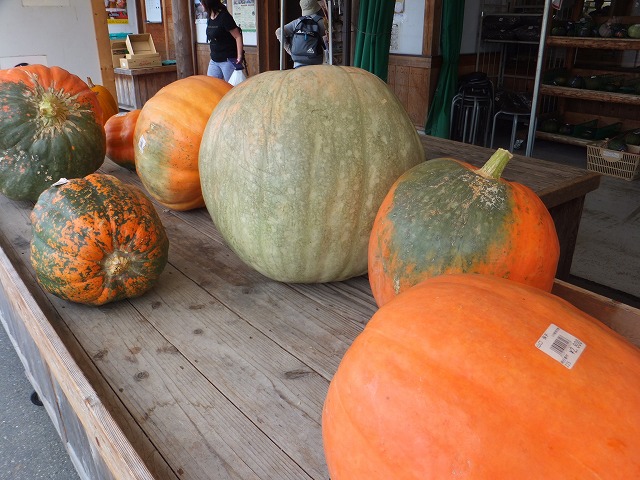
(561, 345)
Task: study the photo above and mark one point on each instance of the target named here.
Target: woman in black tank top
(224, 38)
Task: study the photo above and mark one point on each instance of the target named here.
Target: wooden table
(561, 188)
(134, 86)
(215, 373)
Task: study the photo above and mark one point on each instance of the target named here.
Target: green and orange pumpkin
(167, 139)
(50, 128)
(97, 240)
(119, 130)
(446, 216)
(446, 382)
(294, 165)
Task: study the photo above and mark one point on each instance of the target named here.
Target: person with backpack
(225, 40)
(304, 36)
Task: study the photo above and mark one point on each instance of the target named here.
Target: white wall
(65, 35)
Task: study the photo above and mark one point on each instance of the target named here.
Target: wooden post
(104, 46)
(268, 19)
(183, 38)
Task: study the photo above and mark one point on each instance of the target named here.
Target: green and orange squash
(119, 130)
(50, 127)
(446, 382)
(446, 216)
(294, 165)
(167, 139)
(97, 240)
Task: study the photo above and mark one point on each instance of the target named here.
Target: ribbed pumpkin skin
(294, 165)
(445, 381)
(50, 127)
(442, 217)
(97, 240)
(167, 139)
(119, 130)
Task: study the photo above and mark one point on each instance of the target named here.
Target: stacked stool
(472, 109)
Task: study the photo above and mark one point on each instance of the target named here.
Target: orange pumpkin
(446, 216)
(446, 381)
(167, 139)
(119, 130)
(106, 100)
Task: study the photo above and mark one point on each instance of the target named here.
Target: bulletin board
(408, 27)
(244, 13)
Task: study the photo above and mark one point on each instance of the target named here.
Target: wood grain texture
(584, 94)
(136, 86)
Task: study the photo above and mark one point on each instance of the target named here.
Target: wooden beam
(104, 46)
(182, 35)
(268, 20)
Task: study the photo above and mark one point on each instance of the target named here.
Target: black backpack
(306, 43)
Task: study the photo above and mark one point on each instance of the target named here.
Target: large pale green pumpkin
(294, 165)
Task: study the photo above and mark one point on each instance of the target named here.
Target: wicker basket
(611, 162)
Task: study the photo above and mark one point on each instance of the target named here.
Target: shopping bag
(237, 77)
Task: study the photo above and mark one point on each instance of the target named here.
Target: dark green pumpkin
(50, 128)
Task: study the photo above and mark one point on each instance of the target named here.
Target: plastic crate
(611, 162)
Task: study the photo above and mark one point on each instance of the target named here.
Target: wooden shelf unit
(602, 105)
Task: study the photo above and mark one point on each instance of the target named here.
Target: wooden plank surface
(222, 370)
(595, 42)
(595, 95)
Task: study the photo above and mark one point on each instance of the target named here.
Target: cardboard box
(118, 51)
(141, 61)
(140, 44)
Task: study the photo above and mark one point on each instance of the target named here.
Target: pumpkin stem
(496, 164)
(116, 264)
(90, 82)
(52, 109)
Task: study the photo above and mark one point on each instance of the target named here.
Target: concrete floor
(606, 261)
(30, 448)
(607, 255)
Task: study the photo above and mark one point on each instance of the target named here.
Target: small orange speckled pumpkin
(97, 240)
(446, 216)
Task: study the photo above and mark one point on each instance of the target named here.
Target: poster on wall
(116, 11)
(408, 27)
(244, 13)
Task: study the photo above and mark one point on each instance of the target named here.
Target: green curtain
(439, 116)
(373, 36)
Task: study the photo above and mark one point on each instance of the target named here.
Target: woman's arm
(237, 34)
